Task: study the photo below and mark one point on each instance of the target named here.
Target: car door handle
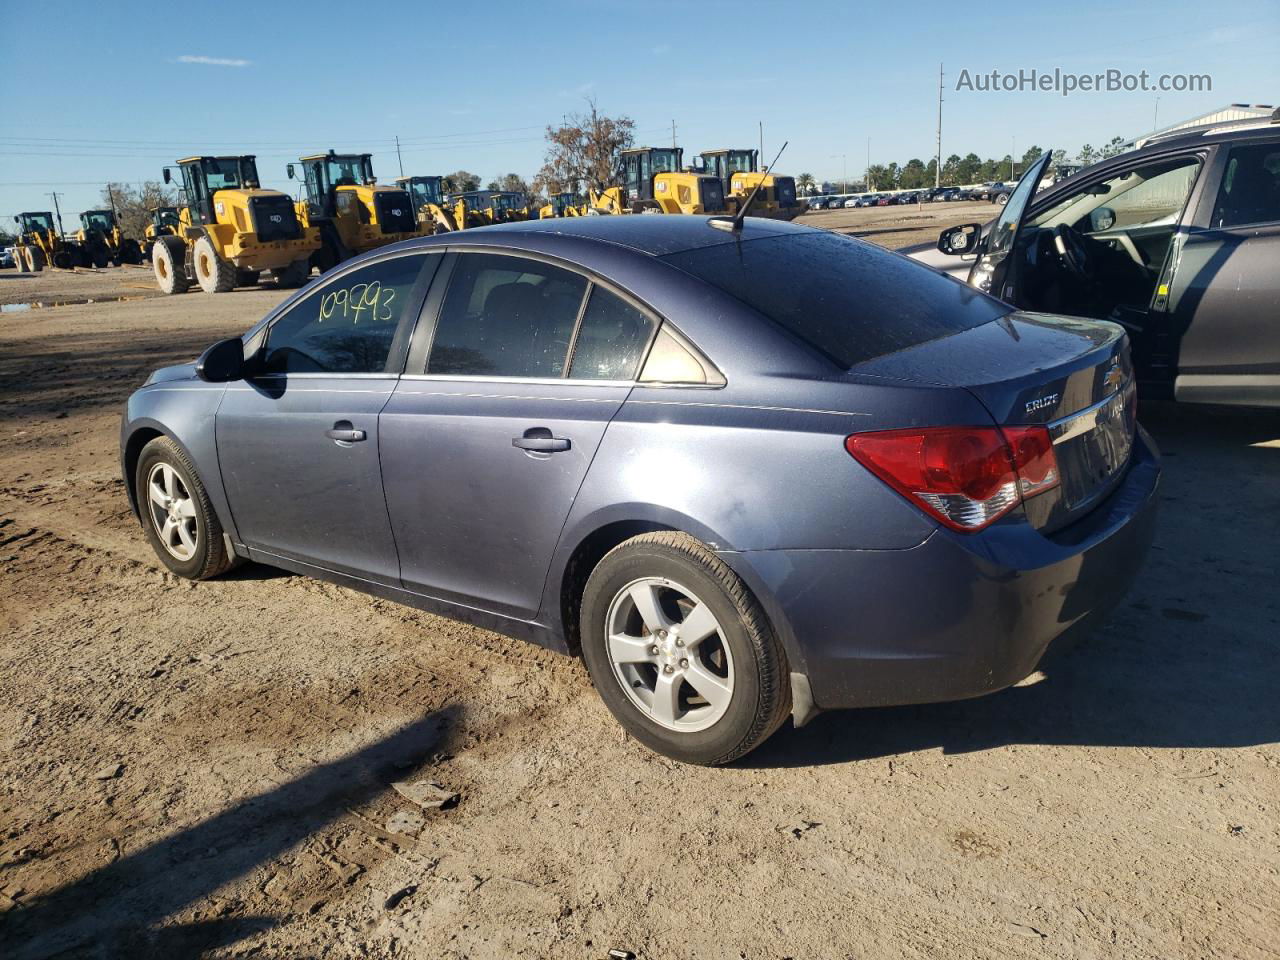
(343, 432)
(540, 440)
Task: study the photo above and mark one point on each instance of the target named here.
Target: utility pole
(761, 125)
(1013, 148)
(673, 133)
(111, 198)
(398, 158)
(57, 212)
(937, 172)
(1155, 117)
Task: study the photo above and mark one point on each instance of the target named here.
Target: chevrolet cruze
(742, 473)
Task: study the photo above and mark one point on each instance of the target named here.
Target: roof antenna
(734, 223)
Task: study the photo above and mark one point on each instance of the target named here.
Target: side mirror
(289, 168)
(1101, 218)
(959, 240)
(222, 362)
(167, 175)
(1098, 190)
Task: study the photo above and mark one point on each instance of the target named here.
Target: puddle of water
(44, 304)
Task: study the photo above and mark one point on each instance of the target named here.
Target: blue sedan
(744, 474)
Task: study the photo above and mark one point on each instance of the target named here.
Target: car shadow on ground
(116, 911)
(1190, 657)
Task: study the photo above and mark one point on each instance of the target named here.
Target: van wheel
(681, 652)
(180, 523)
(168, 260)
(214, 274)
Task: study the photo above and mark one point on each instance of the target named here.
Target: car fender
(184, 412)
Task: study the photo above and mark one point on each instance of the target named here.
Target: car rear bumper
(956, 616)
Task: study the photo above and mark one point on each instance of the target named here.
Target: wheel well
(132, 450)
(583, 560)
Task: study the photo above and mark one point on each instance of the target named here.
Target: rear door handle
(540, 440)
(343, 432)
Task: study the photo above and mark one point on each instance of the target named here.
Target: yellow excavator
(352, 212)
(165, 222)
(436, 212)
(564, 204)
(654, 181)
(230, 230)
(40, 245)
(739, 174)
(103, 242)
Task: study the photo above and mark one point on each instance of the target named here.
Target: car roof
(656, 235)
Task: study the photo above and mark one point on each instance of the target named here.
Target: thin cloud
(214, 61)
(661, 49)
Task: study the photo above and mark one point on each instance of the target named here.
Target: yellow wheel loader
(40, 245)
(437, 213)
(738, 172)
(165, 222)
(231, 230)
(654, 181)
(352, 212)
(563, 205)
(103, 242)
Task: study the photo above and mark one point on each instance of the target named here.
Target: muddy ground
(206, 769)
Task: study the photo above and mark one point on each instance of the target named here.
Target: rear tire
(247, 278)
(294, 275)
(35, 259)
(130, 252)
(728, 687)
(20, 259)
(168, 261)
(180, 522)
(214, 274)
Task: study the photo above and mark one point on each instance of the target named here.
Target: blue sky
(473, 86)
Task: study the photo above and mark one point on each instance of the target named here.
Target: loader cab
(640, 166)
(423, 191)
(34, 222)
(561, 203)
(165, 218)
(100, 221)
(202, 177)
(723, 164)
(323, 173)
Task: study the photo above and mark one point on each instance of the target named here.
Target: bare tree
(134, 202)
(585, 150)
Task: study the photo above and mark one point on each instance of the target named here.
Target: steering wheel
(1074, 252)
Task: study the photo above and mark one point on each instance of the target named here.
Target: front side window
(506, 317)
(1250, 191)
(348, 325)
(1154, 194)
(610, 340)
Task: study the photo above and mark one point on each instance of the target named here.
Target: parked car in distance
(851, 202)
(1177, 241)
(6, 257)
(719, 464)
(867, 200)
(884, 200)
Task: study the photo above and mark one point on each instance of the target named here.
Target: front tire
(214, 274)
(168, 261)
(179, 520)
(680, 651)
(294, 275)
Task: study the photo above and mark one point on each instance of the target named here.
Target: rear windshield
(849, 300)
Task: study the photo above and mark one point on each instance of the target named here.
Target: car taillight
(966, 477)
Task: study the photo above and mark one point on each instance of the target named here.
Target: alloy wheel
(173, 512)
(668, 654)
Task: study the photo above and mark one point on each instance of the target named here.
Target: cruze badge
(1046, 401)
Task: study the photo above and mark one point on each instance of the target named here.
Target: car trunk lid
(1070, 375)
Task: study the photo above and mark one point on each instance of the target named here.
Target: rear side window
(347, 325)
(1250, 191)
(612, 337)
(506, 317)
(849, 300)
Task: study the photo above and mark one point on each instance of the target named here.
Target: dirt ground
(206, 769)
